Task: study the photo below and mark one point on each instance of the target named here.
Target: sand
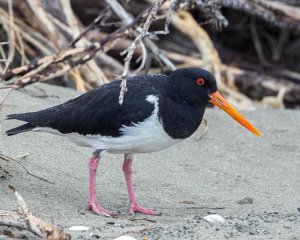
(254, 183)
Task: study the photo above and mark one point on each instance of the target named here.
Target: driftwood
(210, 57)
(276, 12)
(251, 83)
(56, 65)
(133, 46)
(59, 40)
(23, 219)
(3, 172)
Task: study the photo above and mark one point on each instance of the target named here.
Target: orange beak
(217, 99)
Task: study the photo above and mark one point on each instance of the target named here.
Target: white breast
(142, 137)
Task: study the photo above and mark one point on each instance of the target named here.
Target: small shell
(78, 228)
(124, 237)
(214, 218)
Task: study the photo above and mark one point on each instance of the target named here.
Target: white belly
(142, 137)
(147, 136)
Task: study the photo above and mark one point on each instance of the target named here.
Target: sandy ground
(184, 183)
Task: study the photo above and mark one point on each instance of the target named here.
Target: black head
(194, 85)
(198, 87)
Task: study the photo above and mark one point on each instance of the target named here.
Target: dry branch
(134, 45)
(58, 33)
(25, 220)
(274, 12)
(210, 57)
(91, 69)
(212, 10)
(254, 85)
(275, 45)
(56, 65)
(126, 17)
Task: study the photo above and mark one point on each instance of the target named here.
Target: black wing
(98, 111)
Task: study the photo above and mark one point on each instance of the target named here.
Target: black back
(181, 106)
(99, 111)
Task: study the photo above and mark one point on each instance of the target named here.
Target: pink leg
(92, 200)
(134, 206)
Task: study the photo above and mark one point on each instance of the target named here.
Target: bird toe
(139, 209)
(96, 208)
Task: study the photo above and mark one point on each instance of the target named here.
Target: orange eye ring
(200, 81)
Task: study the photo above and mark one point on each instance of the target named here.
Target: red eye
(200, 81)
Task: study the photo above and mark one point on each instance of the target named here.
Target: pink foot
(134, 206)
(92, 200)
(96, 208)
(138, 208)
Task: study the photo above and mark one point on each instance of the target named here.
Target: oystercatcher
(158, 111)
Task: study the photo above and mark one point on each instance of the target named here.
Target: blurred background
(252, 47)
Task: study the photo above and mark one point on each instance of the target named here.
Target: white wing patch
(141, 137)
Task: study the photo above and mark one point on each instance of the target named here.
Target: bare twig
(4, 157)
(21, 156)
(3, 99)
(211, 8)
(275, 12)
(126, 17)
(85, 31)
(174, 5)
(144, 58)
(90, 71)
(11, 41)
(11, 51)
(49, 27)
(25, 220)
(277, 101)
(185, 22)
(6, 87)
(134, 45)
(7, 158)
(257, 44)
(56, 65)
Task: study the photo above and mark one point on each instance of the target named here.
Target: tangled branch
(134, 44)
(24, 219)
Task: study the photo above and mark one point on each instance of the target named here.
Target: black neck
(179, 117)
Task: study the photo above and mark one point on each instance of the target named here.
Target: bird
(157, 112)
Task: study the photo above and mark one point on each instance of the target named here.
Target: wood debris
(244, 43)
(24, 219)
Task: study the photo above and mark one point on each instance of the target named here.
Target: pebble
(246, 200)
(110, 223)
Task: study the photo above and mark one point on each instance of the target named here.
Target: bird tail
(23, 128)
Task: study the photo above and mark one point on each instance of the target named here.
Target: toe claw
(138, 208)
(96, 208)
